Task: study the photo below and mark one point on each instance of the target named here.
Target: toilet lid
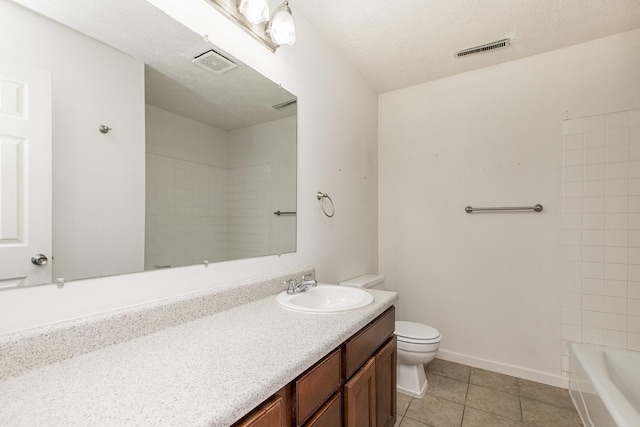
(411, 332)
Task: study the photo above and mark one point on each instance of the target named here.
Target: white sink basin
(326, 299)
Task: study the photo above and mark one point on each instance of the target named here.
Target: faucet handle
(291, 285)
(308, 282)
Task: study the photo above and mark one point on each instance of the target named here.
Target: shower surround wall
(266, 155)
(211, 193)
(249, 213)
(186, 215)
(601, 231)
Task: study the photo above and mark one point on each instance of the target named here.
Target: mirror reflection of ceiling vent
(284, 104)
(214, 62)
(483, 49)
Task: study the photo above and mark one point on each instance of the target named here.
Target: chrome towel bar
(536, 208)
(284, 213)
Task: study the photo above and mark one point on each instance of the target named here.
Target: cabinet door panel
(360, 397)
(330, 415)
(386, 373)
(313, 388)
(360, 347)
(269, 414)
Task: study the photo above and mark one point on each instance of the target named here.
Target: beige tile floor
(461, 396)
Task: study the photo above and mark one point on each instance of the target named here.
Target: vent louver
(284, 104)
(214, 62)
(484, 48)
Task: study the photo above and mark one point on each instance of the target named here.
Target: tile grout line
(464, 411)
(466, 393)
(520, 402)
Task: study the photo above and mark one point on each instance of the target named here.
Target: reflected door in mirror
(25, 174)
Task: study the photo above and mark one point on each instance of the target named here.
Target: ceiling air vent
(482, 49)
(214, 62)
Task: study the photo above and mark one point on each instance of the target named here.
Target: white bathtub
(605, 385)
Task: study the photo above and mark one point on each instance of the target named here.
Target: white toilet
(417, 344)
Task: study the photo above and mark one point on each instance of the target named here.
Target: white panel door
(25, 174)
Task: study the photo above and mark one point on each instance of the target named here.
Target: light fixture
(256, 11)
(281, 27)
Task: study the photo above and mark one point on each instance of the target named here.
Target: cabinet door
(314, 387)
(269, 414)
(360, 397)
(330, 415)
(360, 347)
(386, 372)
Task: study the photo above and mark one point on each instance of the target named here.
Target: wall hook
(104, 129)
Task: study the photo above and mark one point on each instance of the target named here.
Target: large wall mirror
(197, 160)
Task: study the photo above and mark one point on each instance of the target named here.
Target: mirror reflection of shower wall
(212, 193)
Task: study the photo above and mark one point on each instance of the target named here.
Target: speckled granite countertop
(209, 372)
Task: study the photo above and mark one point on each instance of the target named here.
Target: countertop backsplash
(33, 348)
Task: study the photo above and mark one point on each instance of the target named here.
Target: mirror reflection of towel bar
(536, 208)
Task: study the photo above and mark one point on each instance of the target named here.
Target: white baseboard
(505, 368)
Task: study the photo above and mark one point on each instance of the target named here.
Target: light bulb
(256, 11)
(283, 30)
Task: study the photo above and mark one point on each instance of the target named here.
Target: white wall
(492, 137)
(272, 143)
(98, 179)
(337, 153)
(178, 137)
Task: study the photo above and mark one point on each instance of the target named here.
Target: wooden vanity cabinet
(360, 397)
(353, 386)
(361, 346)
(386, 382)
(313, 388)
(370, 392)
(330, 415)
(273, 412)
(270, 414)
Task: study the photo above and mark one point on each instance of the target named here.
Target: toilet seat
(416, 333)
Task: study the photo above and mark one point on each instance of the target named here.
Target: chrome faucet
(295, 287)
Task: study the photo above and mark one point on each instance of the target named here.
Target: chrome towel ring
(321, 196)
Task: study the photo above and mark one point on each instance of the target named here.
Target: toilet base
(412, 380)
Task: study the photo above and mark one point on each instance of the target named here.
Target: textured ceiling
(238, 98)
(396, 44)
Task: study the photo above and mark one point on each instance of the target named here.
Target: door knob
(39, 259)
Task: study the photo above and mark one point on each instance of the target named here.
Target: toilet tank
(369, 281)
